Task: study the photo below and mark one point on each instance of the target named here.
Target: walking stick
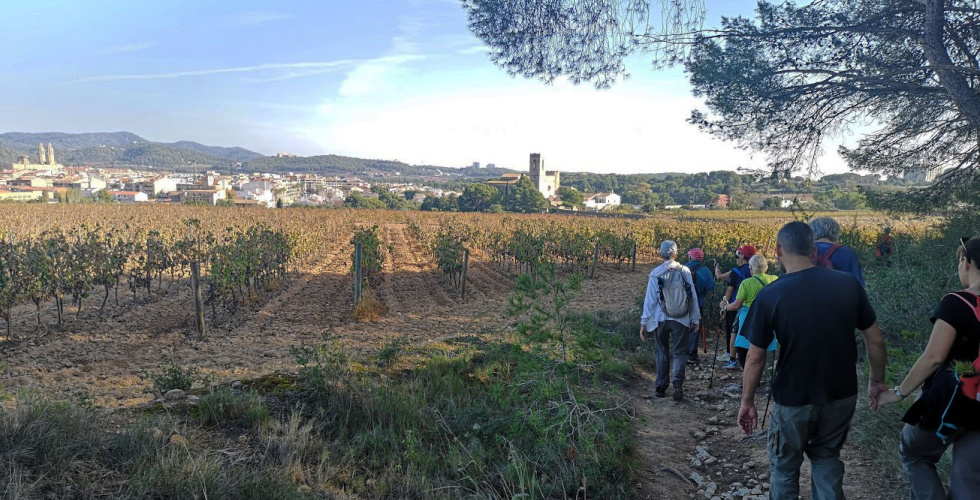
(714, 360)
(772, 374)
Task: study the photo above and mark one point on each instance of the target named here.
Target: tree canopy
(526, 198)
(902, 73)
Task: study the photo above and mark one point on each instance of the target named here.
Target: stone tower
(536, 171)
(50, 154)
(41, 159)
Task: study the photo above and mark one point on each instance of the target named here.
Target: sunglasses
(738, 255)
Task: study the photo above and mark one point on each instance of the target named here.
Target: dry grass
(369, 308)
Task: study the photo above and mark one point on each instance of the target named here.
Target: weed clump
(369, 308)
(224, 406)
(174, 376)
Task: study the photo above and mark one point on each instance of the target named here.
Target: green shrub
(224, 406)
(174, 376)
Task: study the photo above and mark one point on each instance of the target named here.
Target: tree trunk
(104, 300)
(59, 302)
(933, 45)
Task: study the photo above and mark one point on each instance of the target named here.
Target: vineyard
(53, 256)
(95, 299)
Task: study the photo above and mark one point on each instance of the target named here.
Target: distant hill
(8, 156)
(104, 147)
(29, 141)
(129, 149)
(235, 154)
(345, 165)
(146, 154)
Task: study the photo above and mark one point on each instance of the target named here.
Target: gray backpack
(675, 293)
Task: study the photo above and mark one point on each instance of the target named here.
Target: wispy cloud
(321, 66)
(478, 49)
(377, 74)
(277, 71)
(127, 48)
(256, 17)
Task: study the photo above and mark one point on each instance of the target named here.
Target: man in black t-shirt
(812, 312)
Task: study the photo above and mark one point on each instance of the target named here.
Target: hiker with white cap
(670, 312)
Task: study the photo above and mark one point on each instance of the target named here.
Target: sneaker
(731, 365)
(724, 357)
(678, 394)
(660, 393)
(692, 361)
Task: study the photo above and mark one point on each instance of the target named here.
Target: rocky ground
(693, 448)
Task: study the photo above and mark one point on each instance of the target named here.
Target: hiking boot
(693, 361)
(724, 357)
(660, 393)
(678, 394)
(731, 365)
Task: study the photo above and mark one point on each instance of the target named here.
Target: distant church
(546, 182)
(45, 160)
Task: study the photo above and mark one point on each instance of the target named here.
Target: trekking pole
(772, 374)
(714, 360)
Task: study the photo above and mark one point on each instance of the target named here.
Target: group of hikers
(810, 314)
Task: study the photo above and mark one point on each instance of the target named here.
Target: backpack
(885, 247)
(700, 282)
(970, 383)
(675, 293)
(824, 259)
(964, 404)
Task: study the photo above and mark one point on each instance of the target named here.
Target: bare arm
(734, 306)
(874, 339)
(940, 343)
(755, 362)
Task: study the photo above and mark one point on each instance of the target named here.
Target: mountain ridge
(129, 149)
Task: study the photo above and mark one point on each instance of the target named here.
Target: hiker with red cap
(734, 277)
(704, 283)
(947, 411)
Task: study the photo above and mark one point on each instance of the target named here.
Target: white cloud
(577, 129)
(125, 49)
(256, 17)
(478, 49)
(299, 68)
(376, 75)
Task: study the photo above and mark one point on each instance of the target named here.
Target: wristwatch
(898, 392)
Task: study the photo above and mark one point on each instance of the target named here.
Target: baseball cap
(747, 251)
(695, 253)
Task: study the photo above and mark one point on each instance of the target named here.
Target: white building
(129, 196)
(599, 201)
(156, 186)
(206, 196)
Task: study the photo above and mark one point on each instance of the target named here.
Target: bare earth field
(107, 360)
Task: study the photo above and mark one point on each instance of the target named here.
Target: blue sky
(372, 78)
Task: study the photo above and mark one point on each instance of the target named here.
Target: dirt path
(686, 447)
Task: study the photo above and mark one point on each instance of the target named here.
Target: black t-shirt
(939, 387)
(813, 314)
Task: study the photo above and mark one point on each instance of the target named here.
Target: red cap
(747, 251)
(695, 253)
